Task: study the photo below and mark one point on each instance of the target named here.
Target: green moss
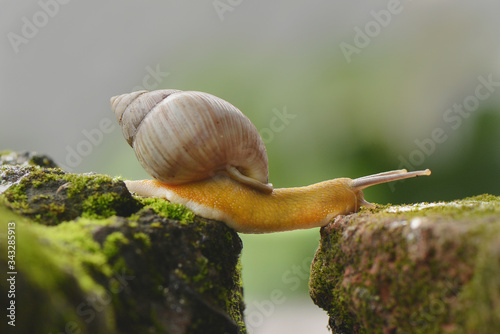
(230, 297)
(89, 238)
(54, 278)
(134, 217)
(50, 195)
(17, 196)
(471, 207)
(59, 250)
(394, 270)
(326, 281)
(228, 237)
(479, 310)
(76, 183)
(457, 209)
(76, 235)
(234, 299)
(168, 210)
(203, 266)
(99, 206)
(119, 265)
(113, 243)
(143, 239)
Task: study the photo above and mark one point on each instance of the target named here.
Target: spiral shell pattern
(186, 136)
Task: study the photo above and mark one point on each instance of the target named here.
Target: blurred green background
(350, 120)
(353, 116)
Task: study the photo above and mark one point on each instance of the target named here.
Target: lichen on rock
(92, 258)
(425, 268)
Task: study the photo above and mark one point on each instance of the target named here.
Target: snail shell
(186, 136)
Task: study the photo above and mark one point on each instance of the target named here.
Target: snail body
(205, 154)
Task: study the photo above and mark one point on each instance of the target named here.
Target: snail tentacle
(395, 175)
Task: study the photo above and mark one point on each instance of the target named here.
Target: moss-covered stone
(168, 210)
(52, 284)
(50, 196)
(426, 268)
(190, 270)
(92, 258)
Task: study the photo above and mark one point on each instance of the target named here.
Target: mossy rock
(424, 268)
(26, 158)
(50, 195)
(92, 258)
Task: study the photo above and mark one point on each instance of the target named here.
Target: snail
(204, 153)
